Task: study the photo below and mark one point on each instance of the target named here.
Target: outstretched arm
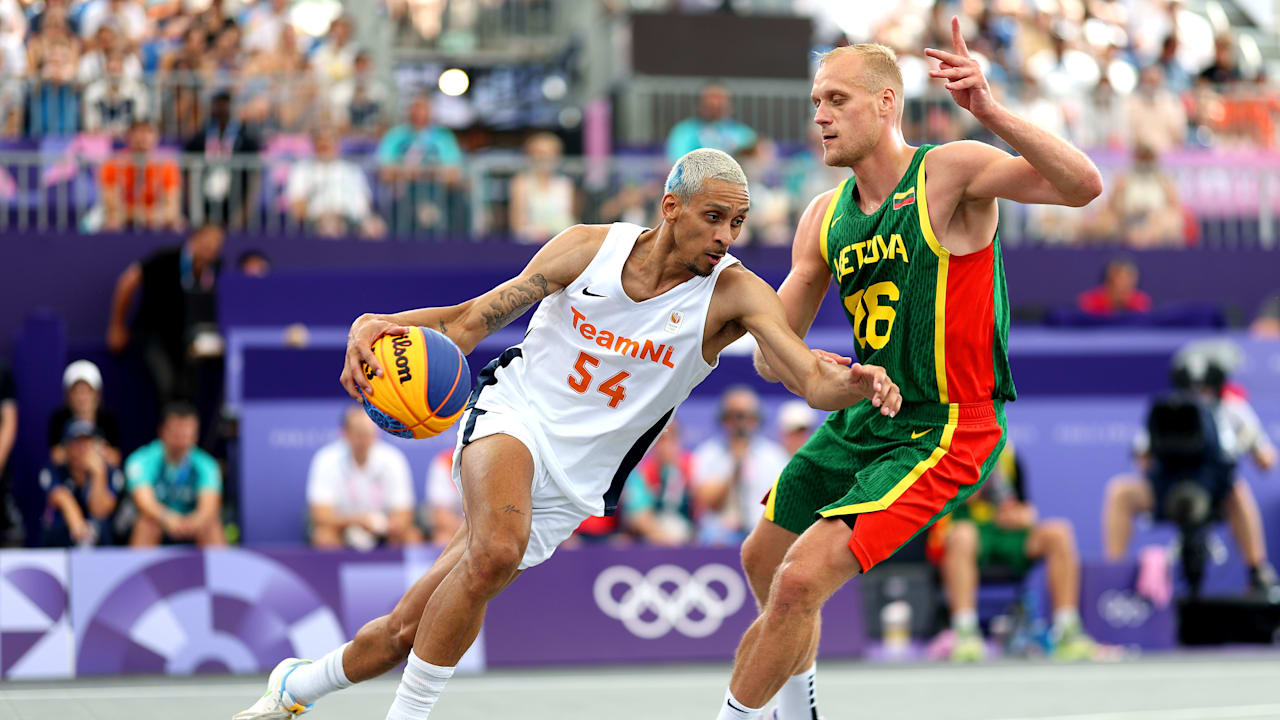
(1049, 171)
(556, 265)
(801, 293)
(825, 385)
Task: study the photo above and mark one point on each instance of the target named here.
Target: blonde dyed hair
(879, 67)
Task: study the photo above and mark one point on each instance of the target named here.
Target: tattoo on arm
(513, 509)
(443, 329)
(512, 302)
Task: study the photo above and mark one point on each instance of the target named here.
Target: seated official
(80, 493)
(360, 490)
(175, 486)
(999, 527)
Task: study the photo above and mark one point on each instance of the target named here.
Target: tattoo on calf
(513, 509)
(512, 302)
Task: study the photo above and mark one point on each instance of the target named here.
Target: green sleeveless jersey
(937, 323)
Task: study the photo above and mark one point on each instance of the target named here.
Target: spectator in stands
(11, 529)
(770, 204)
(263, 23)
(330, 194)
(1144, 210)
(733, 472)
(116, 101)
(1241, 434)
(97, 51)
(226, 51)
(796, 422)
(334, 59)
(129, 17)
(279, 88)
(1224, 70)
(657, 505)
(228, 186)
(253, 263)
(141, 189)
(177, 299)
(360, 490)
(82, 383)
(1118, 293)
(443, 502)
(1176, 78)
(183, 73)
(543, 200)
(53, 101)
(13, 70)
(1156, 116)
(711, 127)
(80, 491)
(57, 13)
(421, 161)
(175, 486)
(999, 528)
(360, 103)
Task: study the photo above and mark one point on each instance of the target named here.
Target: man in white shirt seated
(732, 473)
(443, 501)
(360, 490)
(330, 195)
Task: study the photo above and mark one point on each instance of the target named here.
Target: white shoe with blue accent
(277, 703)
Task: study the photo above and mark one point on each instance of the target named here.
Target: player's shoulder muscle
(740, 291)
(566, 255)
(805, 252)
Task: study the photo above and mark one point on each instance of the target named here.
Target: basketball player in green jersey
(910, 240)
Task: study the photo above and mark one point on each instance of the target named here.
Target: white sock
(419, 689)
(965, 621)
(1065, 618)
(731, 709)
(798, 699)
(312, 681)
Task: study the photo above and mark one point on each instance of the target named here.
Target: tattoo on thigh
(513, 509)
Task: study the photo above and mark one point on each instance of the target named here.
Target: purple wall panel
(602, 604)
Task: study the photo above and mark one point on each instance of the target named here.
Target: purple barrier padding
(37, 374)
(185, 611)
(601, 604)
(35, 627)
(1116, 615)
(37, 268)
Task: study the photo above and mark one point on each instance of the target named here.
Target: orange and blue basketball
(424, 384)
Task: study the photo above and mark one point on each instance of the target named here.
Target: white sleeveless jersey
(599, 375)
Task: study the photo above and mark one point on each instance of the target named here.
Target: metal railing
(178, 103)
(1228, 200)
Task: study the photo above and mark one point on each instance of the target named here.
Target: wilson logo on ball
(425, 385)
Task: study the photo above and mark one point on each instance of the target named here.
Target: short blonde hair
(879, 66)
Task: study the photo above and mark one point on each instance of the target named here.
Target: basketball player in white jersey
(630, 320)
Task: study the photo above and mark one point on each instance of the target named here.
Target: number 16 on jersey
(612, 388)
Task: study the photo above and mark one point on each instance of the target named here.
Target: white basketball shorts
(555, 516)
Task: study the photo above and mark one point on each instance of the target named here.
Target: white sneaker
(277, 703)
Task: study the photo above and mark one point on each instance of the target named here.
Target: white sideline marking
(1205, 713)
(644, 679)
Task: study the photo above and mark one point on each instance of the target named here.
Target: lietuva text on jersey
(869, 252)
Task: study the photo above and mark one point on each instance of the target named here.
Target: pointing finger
(957, 38)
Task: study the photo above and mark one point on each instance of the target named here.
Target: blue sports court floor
(1178, 687)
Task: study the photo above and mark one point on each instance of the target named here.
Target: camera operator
(1188, 456)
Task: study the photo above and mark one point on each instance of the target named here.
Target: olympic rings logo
(1122, 608)
(669, 597)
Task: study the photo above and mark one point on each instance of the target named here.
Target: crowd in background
(279, 126)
